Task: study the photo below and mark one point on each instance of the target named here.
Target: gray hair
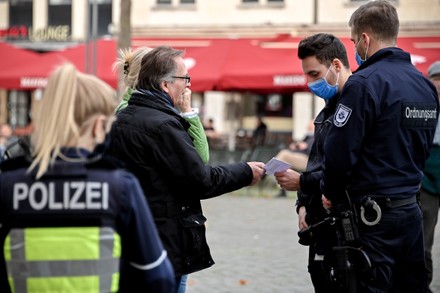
(157, 66)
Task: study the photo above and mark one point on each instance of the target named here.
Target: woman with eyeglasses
(71, 220)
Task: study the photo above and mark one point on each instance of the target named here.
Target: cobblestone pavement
(254, 242)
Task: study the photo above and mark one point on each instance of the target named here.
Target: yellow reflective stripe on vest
(84, 259)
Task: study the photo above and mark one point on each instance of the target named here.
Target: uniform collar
(388, 53)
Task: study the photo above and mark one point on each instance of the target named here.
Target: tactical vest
(61, 234)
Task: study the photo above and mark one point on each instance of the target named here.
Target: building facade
(47, 25)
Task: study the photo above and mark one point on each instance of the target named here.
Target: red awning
(105, 57)
(204, 58)
(33, 72)
(272, 65)
(424, 50)
(257, 65)
(12, 59)
(247, 64)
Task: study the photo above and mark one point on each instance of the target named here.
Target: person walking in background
(430, 191)
(72, 220)
(150, 137)
(325, 62)
(259, 134)
(210, 132)
(130, 62)
(376, 150)
(6, 140)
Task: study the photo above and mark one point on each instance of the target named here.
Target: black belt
(390, 203)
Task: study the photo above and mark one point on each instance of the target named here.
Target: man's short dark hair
(325, 47)
(377, 17)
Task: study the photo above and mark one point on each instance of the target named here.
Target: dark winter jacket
(310, 193)
(151, 138)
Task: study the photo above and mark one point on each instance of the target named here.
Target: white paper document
(275, 165)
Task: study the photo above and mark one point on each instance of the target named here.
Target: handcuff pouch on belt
(370, 212)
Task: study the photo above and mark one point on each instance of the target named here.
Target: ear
(165, 86)
(337, 64)
(99, 129)
(366, 38)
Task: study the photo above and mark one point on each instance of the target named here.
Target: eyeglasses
(186, 77)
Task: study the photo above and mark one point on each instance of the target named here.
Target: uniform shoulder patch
(342, 115)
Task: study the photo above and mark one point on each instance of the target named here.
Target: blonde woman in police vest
(71, 220)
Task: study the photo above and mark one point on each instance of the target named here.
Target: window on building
(19, 108)
(275, 1)
(60, 12)
(20, 13)
(187, 1)
(249, 1)
(162, 2)
(104, 16)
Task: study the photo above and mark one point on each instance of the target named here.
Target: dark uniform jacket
(310, 193)
(151, 138)
(94, 194)
(382, 130)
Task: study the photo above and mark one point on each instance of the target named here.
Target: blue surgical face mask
(322, 88)
(359, 60)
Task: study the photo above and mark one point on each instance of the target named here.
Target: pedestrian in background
(210, 132)
(430, 191)
(130, 62)
(72, 220)
(6, 140)
(151, 137)
(259, 134)
(376, 150)
(325, 62)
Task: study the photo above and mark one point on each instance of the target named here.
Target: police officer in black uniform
(324, 60)
(72, 220)
(377, 147)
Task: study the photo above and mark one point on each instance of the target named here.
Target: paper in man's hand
(275, 165)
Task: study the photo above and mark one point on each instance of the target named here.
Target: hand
(302, 224)
(326, 203)
(288, 180)
(293, 146)
(301, 145)
(257, 171)
(184, 103)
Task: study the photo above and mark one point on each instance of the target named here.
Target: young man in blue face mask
(376, 149)
(324, 61)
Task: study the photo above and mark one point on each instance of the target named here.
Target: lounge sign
(60, 33)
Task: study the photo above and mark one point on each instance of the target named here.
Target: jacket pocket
(194, 238)
(196, 255)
